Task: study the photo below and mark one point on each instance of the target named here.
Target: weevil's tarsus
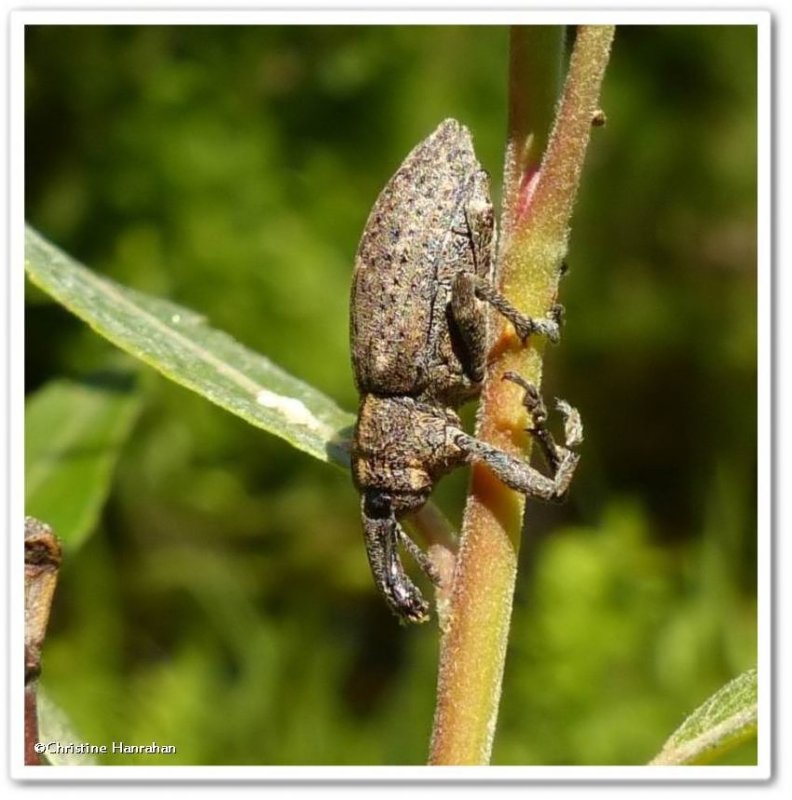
(573, 424)
(561, 460)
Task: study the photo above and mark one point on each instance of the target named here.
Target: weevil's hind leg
(481, 226)
(469, 288)
(382, 534)
(519, 474)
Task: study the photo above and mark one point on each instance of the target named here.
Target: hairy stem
(535, 230)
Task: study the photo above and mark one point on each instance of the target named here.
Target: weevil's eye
(377, 506)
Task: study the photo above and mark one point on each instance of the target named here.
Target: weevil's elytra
(417, 239)
(421, 295)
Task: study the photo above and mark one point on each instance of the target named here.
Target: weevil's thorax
(401, 448)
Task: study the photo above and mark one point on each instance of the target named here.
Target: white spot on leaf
(295, 411)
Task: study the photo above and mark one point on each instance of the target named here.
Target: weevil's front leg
(480, 219)
(525, 326)
(382, 534)
(468, 287)
(519, 474)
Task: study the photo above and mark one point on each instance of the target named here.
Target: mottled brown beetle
(419, 335)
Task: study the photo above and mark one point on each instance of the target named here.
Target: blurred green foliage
(223, 603)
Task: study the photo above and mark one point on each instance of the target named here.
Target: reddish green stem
(536, 213)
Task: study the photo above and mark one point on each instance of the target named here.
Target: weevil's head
(401, 447)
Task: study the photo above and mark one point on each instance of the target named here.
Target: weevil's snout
(381, 536)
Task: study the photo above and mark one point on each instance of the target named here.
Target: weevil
(421, 296)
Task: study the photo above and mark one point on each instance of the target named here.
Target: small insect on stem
(421, 293)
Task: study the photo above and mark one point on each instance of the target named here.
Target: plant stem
(535, 231)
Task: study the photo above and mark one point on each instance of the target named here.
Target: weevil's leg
(573, 426)
(518, 474)
(549, 326)
(471, 322)
(535, 406)
(382, 534)
(481, 228)
(470, 319)
(467, 286)
(420, 558)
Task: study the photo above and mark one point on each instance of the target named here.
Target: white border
(355, 13)
(764, 477)
(503, 15)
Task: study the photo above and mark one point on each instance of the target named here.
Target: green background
(223, 603)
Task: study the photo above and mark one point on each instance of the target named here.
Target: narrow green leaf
(727, 719)
(74, 433)
(178, 343)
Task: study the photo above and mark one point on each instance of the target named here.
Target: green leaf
(727, 719)
(74, 433)
(178, 343)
